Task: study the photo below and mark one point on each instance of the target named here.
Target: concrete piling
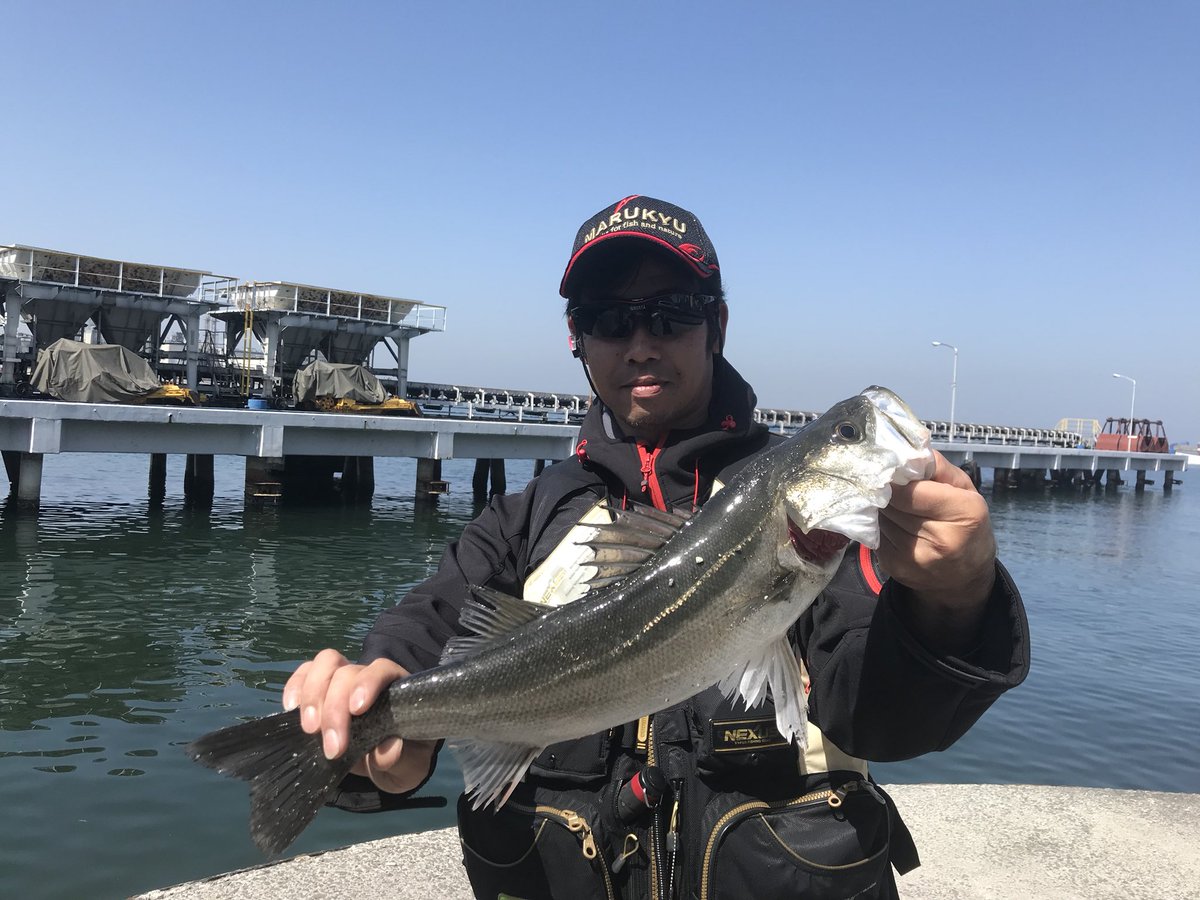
(12, 467)
(429, 480)
(357, 483)
(264, 480)
(198, 483)
(488, 470)
(479, 480)
(157, 487)
(29, 481)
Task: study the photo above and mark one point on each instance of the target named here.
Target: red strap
(868, 569)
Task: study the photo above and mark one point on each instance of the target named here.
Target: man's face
(653, 384)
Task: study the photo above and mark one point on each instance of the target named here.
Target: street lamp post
(953, 383)
(1132, 397)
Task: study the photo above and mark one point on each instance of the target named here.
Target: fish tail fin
(290, 778)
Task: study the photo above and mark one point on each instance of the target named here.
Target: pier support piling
(198, 483)
(158, 478)
(479, 480)
(358, 478)
(12, 467)
(429, 480)
(29, 481)
(366, 476)
(488, 470)
(264, 480)
(538, 466)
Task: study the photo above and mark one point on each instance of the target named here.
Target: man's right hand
(329, 689)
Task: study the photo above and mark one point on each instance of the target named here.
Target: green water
(125, 633)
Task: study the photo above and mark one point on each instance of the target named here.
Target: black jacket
(876, 691)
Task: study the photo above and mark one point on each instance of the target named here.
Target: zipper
(652, 760)
(673, 839)
(643, 738)
(590, 850)
(650, 483)
(830, 796)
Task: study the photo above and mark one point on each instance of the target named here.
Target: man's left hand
(936, 539)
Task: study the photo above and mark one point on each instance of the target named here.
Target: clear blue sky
(1021, 179)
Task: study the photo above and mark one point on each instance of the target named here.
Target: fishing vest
(745, 812)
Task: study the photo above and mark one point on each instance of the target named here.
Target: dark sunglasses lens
(662, 317)
(613, 323)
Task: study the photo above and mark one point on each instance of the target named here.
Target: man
(895, 665)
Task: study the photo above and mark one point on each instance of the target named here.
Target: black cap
(663, 224)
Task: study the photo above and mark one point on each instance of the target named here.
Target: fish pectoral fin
(775, 667)
(624, 544)
(489, 621)
(491, 770)
(635, 527)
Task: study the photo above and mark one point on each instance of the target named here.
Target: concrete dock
(977, 842)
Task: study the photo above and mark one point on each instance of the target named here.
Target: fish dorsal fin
(490, 621)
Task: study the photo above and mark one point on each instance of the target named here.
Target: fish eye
(846, 431)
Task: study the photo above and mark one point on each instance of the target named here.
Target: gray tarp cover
(93, 373)
(338, 380)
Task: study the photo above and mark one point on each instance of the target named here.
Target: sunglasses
(666, 315)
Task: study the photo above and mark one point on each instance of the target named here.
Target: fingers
(328, 689)
(936, 536)
(318, 688)
(948, 486)
(947, 472)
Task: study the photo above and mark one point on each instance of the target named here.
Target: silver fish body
(675, 606)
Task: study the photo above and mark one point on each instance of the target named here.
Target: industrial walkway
(977, 842)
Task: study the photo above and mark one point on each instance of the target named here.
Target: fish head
(838, 472)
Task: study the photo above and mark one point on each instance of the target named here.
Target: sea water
(127, 631)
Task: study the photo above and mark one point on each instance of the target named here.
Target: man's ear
(574, 341)
(722, 324)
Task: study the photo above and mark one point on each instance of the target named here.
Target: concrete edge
(1002, 842)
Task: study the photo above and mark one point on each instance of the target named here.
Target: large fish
(675, 606)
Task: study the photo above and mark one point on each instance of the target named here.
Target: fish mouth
(818, 546)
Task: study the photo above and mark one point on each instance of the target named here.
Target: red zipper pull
(647, 467)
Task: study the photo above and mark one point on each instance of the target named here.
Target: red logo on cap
(693, 251)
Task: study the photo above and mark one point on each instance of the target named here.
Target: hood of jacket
(686, 464)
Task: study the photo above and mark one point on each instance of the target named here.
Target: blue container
(257, 404)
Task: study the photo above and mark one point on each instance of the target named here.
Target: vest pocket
(533, 852)
(826, 843)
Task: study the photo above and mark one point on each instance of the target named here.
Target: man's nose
(642, 345)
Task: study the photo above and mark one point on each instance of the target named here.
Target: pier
(240, 346)
(315, 446)
(269, 439)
